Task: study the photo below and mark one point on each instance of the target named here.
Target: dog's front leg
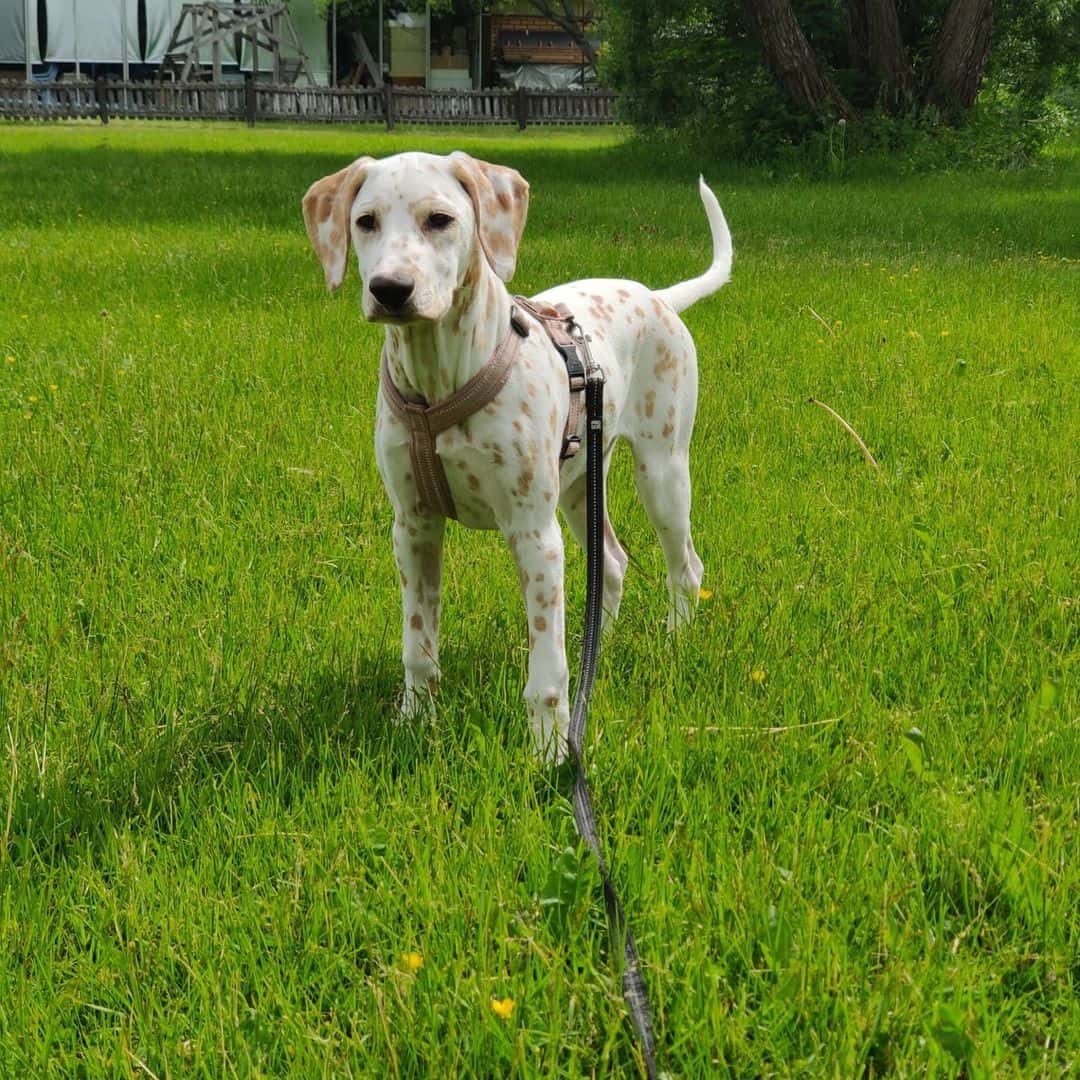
(538, 553)
(418, 545)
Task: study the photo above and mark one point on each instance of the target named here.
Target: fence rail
(253, 101)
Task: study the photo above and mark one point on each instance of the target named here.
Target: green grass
(216, 847)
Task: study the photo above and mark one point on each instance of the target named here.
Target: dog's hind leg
(572, 504)
(663, 483)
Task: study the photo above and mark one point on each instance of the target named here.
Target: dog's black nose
(391, 292)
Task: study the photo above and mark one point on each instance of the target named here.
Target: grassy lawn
(843, 807)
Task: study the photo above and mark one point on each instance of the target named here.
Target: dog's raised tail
(684, 294)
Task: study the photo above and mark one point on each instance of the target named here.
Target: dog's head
(420, 225)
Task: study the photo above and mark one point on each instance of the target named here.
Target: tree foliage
(769, 71)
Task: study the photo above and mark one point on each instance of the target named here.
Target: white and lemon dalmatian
(436, 238)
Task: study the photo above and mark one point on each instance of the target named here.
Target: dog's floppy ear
(326, 215)
(500, 199)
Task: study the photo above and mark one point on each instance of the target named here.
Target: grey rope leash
(622, 938)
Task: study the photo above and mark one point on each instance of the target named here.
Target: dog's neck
(432, 360)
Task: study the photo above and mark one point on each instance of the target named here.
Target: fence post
(100, 98)
(249, 100)
(388, 105)
(522, 108)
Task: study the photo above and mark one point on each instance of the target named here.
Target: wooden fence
(254, 101)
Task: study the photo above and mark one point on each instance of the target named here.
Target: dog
(436, 239)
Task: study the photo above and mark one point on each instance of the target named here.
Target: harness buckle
(575, 369)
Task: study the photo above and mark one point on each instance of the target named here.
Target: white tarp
(161, 16)
(92, 31)
(13, 31)
(545, 76)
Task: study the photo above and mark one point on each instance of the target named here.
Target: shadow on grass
(229, 189)
(291, 733)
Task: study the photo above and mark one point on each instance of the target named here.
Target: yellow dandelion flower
(10, 359)
(33, 398)
(758, 676)
(704, 594)
(28, 416)
(839, 322)
(53, 387)
(157, 317)
(945, 333)
(413, 961)
(821, 341)
(503, 1008)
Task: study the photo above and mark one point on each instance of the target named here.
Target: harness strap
(425, 421)
(560, 326)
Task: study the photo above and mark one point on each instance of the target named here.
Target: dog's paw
(417, 705)
(549, 738)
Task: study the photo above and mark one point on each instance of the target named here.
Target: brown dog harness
(424, 422)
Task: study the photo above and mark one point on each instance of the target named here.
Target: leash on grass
(622, 938)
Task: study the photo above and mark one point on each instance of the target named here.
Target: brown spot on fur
(540, 623)
(666, 363)
(667, 430)
(417, 621)
(650, 402)
(474, 481)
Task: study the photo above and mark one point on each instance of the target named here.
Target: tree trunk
(876, 45)
(960, 53)
(793, 62)
(563, 16)
(888, 57)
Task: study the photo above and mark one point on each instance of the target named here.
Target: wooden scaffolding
(202, 29)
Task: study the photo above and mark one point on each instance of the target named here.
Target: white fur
(503, 463)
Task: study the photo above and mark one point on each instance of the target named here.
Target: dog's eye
(366, 222)
(438, 222)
